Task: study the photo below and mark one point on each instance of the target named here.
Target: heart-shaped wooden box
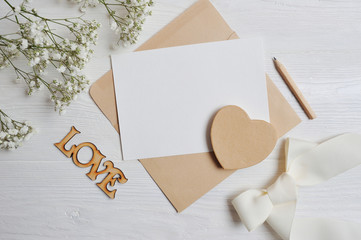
(238, 141)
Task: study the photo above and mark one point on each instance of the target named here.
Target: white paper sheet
(166, 98)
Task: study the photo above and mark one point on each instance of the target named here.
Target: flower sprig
(13, 133)
(45, 49)
(126, 16)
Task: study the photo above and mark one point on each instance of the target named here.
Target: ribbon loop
(307, 164)
(253, 207)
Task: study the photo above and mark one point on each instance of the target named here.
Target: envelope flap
(102, 92)
(282, 116)
(198, 24)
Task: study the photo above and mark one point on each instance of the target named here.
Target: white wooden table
(43, 195)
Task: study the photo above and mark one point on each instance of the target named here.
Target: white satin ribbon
(307, 164)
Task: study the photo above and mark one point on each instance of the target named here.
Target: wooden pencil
(294, 89)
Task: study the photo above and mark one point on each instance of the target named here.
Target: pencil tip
(274, 59)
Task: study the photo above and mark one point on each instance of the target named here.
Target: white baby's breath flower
(3, 135)
(82, 9)
(62, 111)
(61, 69)
(129, 25)
(24, 129)
(11, 146)
(56, 56)
(24, 44)
(11, 47)
(115, 46)
(9, 125)
(34, 61)
(45, 55)
(14, 133)
(37, 41)
(113, 25)
(7, 119)
(16, 139)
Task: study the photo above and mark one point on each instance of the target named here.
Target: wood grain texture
(319, 41)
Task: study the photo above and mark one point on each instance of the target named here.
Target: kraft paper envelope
(186, 178)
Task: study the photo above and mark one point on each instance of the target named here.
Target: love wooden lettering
(113, 174)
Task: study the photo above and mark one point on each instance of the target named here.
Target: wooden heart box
(238, 141)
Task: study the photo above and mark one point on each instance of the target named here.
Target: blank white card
(166, 98)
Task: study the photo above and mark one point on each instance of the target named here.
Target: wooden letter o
(96, 157)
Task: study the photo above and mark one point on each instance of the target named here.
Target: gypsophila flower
(126, 16)
(85, 3)
(44, 49)
(24, 44)
(61, 69)
(13, 133)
